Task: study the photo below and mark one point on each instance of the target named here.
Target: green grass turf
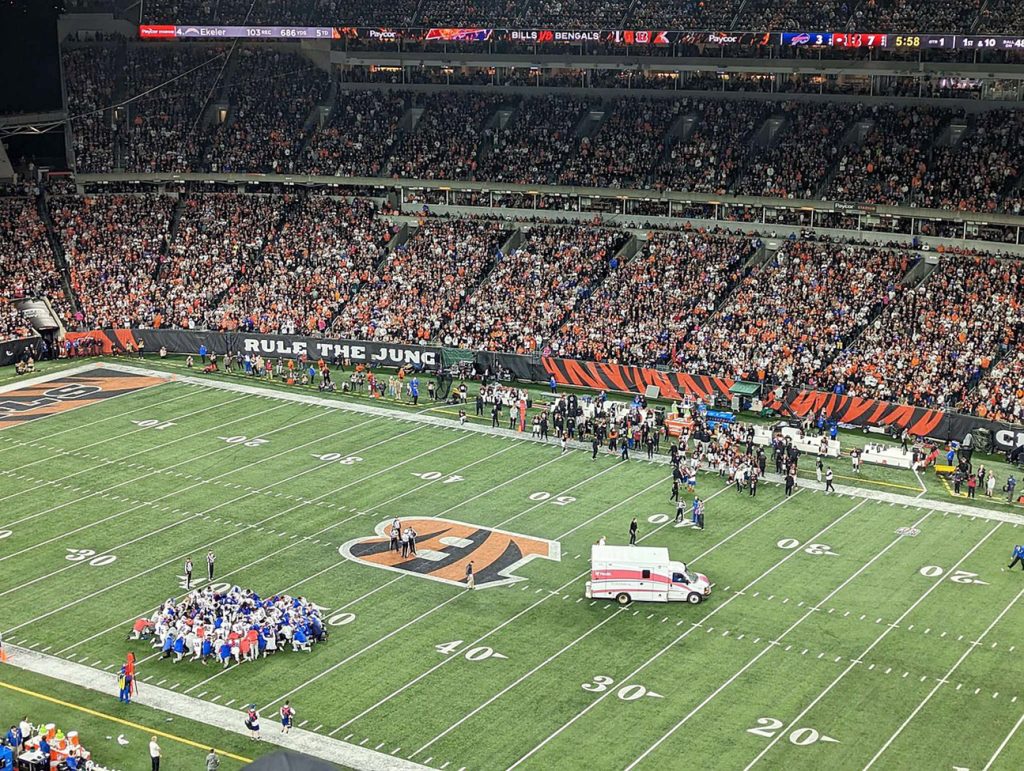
(774, 642)
(99, 720)
(871, 477)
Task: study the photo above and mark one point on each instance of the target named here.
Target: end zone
(51, 395)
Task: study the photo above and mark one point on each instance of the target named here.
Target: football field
(843, 631)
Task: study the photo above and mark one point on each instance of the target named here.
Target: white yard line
(974, 644)
(1002, 746)
(863, 655)
(512, 685)
(773, 643)
(174, 493)
(429, 612)
(256, 524)
(447, 423)
(220, 717)
(678, 639)
(59, 452)
(90, 469)
(10, 442)
(542, 600)
(292, 508)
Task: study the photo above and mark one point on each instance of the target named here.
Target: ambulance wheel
(693, 598)
(622, 598)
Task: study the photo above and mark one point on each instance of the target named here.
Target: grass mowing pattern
(783, 623)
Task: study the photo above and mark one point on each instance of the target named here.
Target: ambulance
(642, 573)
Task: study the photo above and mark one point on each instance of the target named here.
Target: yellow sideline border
(121, 721)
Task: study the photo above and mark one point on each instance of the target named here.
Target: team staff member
(1018, 556)
(154, 754)
(287, 717)
(828, 480)
(632, 532)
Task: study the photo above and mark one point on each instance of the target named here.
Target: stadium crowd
(877, 154)
(164, 130)
(789, 318)
(272, 95)
(414, 293)
(937, 341)
(533, 289)
(26, 264)
(113, 245)
(758, 15)
(647, 307)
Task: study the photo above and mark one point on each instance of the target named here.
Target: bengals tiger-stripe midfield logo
(444, 547)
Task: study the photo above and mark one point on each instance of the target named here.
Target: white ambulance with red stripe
(642, 573)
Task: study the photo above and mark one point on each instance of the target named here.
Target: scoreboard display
(892, 42)
(845, 40)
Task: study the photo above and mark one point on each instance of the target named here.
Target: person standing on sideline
(565, 443)
(252, 722)
(188, 574)
(819, 467)
(790, 482)
(753, 482)
(633, 527)
(1017, 556)
(1011, 483)
(552, 384)
(828, 480)
(202, 353)
(698, 505)
(972, 486)
(625, 450)
(212, 760)
(123, 688)
(594, 445)
(287, 716)
(495, 415)
(154, 753)
(990, 484)
(679, 511)
(210, 559)
(675, 489)
(470, 580)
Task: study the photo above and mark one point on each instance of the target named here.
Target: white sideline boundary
(224, 718)
(447, 423)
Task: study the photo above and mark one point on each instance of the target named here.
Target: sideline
(121, 721)
(894, 499)
(224, 718)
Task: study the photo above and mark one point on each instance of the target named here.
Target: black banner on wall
(920, 421)
(11, 351)
(274, 346)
